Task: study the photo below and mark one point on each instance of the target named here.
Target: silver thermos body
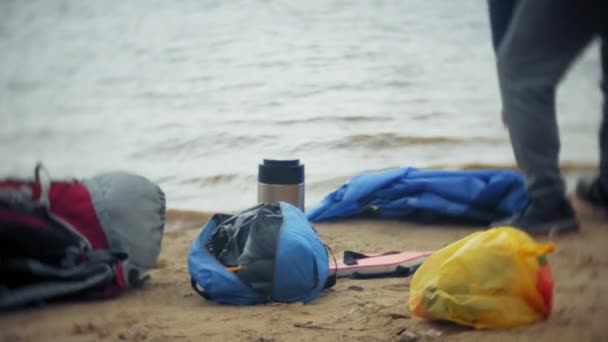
(281, 180)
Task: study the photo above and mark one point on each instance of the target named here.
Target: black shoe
(538, 218)
(591, 191)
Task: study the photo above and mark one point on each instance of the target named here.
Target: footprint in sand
(397, 287)
(355, 288)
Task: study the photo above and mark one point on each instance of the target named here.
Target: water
(193, 94)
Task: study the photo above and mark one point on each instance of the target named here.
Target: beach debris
(393, 315)
(89, 328)
(355, 288)
(408, 336)
(132, 336)
(311, 325)
(265, 339)
(286, 305)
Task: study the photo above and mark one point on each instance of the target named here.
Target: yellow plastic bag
(497, 278)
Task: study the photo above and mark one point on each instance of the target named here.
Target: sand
(166, 309)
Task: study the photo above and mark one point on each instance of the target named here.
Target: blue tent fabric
(479, 196)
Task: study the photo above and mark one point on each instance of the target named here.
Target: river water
(194, 94)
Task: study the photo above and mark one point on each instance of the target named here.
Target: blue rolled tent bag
(266, 253)
(476, 196)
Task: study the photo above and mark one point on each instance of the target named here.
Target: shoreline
(178, 219)
(317, 190)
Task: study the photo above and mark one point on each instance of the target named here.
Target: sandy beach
(166, 309)
(193, 95)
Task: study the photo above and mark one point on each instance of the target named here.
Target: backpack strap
(332, 279)
(198, 290)
(45, 185)
(352, 257)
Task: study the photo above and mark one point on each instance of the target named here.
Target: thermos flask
(281, 180)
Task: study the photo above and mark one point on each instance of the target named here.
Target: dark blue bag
(266, 253)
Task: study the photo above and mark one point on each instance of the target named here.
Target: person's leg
(501, 12)
(604, 126)
(595, 190)
(500, 15)
(543, 39)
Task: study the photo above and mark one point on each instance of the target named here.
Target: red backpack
(86, 239)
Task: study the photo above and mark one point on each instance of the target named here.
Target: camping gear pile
(498, 278)
(97, 237)
(78, 239)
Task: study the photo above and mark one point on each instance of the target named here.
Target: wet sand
(166, 309)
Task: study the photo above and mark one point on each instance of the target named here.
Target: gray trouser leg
(604, 127)
(543, 40)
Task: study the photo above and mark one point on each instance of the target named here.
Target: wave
(192, 146)
(565, 167)
(336, 119)
(317, 119)
(396, 140)
(393, 140)
(211, 180)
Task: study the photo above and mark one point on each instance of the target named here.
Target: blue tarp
(479, 196)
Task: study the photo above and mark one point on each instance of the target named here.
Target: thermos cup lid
(281, 172)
